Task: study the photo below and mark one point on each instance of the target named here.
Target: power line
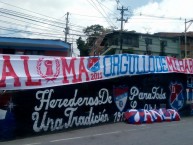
(30, 16)
(30, 32)
(161, 17)
(42, 20)
(67, 28)
(87, 15)
(27, 18)
(94, 5)
(109, 9)
(78, 26)
(124, 2)
(75, 30)
(28, 10)
(104, 12)
(121, 19)
(17, 24)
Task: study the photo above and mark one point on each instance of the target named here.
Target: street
(166, 133)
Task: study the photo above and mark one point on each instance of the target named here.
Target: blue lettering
(107, 63)
(158, 65)
(115, 65)
(131, 64)
(145, 63)
(163, 64)
(124, 64)
(151, 64)
(140, 69)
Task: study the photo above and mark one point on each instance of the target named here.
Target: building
(26, 46)
(181, 36)
(138, 43)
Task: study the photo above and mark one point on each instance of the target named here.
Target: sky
(46, 19)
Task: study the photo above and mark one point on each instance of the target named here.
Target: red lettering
(69, 68)
(181, 65)
(186, 66)
(171, 64)
(82, 70)
(29, 81)
(190, 65)
(10, 73)
(176, 63)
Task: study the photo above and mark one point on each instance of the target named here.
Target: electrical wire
(108, 8)
(107, 17)
(28, 18)
(161, 17)
(125, 2)
(88, 16)
(39, 18)
(32, 27)
(27, 10)
(30, 32)
(104, 12)
(13, 14)
(98, 10)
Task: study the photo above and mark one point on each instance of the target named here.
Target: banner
(62, 108)
(29, 72)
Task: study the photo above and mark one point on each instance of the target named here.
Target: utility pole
(185, 41)
(185, 35)
(163, 45)
(147, 42)
(121, 31)
(67, 28)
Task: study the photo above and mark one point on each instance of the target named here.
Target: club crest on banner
(93, 64)
(120, 97)
(48, 69)
(176, 96)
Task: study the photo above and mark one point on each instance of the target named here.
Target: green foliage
(92, 33)
(94, 30)
(82, 47)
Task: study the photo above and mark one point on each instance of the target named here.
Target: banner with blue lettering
(29, 72)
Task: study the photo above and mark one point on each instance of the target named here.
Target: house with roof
(181, 36)
(27, 46)
(139, 43)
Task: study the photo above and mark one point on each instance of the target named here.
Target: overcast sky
(25, 18)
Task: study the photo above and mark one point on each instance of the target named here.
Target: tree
(92, 32)
(82, 47)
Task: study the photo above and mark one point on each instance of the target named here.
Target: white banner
(28, 72)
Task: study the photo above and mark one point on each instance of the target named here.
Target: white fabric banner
(28, 72)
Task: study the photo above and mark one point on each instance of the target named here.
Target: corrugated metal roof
(45, 44)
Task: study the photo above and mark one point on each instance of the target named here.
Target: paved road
(167, 133)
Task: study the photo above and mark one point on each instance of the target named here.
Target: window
(129, 40)
(148, 41)
(163, 43)
(125, 41)
(116, 41)
(174, 40)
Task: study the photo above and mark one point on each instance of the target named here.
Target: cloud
(81, 10)
(168, 10)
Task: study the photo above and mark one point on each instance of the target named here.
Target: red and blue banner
(29, 72)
